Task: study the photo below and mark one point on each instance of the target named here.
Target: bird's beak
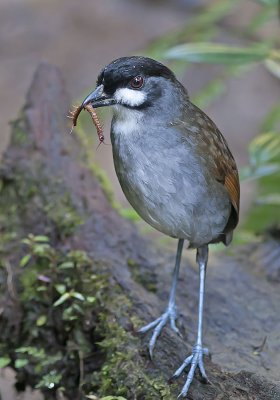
(98, 98)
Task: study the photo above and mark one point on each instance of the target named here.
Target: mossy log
(48, 189)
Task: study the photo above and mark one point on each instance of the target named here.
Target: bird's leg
(196, 358)
(170, 312)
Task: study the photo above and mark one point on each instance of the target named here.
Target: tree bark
(44, 180)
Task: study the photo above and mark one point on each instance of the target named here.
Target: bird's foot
(158, 324)
(194, 360)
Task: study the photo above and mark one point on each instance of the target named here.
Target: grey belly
(168, 188)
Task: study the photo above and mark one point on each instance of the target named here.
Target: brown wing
(226, 172)
(232, 185)
(220, 161)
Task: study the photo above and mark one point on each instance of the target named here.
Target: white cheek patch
(130, 97)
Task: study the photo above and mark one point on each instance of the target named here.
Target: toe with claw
(157, 326)
(194, 360)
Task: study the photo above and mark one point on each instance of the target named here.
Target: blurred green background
(225, 52)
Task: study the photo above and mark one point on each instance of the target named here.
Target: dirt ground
(81, 37)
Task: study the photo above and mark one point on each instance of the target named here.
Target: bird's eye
(137, 82)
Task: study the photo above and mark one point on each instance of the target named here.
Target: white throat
(127, 120)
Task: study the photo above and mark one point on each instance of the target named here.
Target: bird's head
(136, 83)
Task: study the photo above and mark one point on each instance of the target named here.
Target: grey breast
(166, 183)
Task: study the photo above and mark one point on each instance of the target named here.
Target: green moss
(71, 317)
(9, 217)
(146, 279)
(25, 195)
(123, 372)
(26, 189)
(19, 135)
(63, 214)
(58, 292)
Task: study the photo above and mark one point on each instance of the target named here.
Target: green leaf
(217, 53)
(26, 349)
(36, 352)
(60, 288)
(49, 380)
(26, 241)
(273, 67)
(66, 265)
(21, 362)
(41, 249)
(112, 398)
(200, 25)
(4, 361)
(41, 238)
(41, 289)
(78, 296)
(264, 148)
(41, 320)
(62, 299)
(91, 299)
(25, 260)
(264, 154)
(261, 217)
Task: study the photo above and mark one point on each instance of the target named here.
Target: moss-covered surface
(123, 363)
(20, 136)
(70, 338)
(146, 279)
(63, 214)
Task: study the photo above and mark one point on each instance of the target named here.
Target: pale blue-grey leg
(196, 358)
(170, 313)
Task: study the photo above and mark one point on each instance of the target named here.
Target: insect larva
(96, 122)
(75, 114)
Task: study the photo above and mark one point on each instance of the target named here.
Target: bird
(175, 169)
